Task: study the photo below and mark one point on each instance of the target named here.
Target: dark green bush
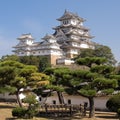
(19, 112)
(33, 105)
(113, 104)
(118, 112)
(31, 113)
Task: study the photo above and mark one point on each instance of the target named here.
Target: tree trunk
(91, 108)
(18, 99)
(60, 97)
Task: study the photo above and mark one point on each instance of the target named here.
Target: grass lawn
(6, 108)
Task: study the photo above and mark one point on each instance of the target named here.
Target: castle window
(65, 22)
(40, 99)
(54, 102)
(33, 52)
(69, 101)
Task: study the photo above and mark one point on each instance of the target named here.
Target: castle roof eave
(70, 15)
(25, 36)
(76, 26)
(46, 37)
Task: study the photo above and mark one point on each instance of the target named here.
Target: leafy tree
(44, 63)
(93, 81)
(57, 81)
(15, 75)
(38, 80)
(99, 51)
(41, 62)
(30, 60)
(9, 76)
(34, 80)
(10, 57)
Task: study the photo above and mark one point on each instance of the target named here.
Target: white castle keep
(60, 47)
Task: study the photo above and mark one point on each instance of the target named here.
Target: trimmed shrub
(19, 112)
(113, 104)
(118, 113)
(31, 113)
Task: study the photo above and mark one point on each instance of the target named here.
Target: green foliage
(105, 51)
(16, 75)
(92, 75)
(80, 73)
(19, 82)
(99, 51)
(7, 88)
(44, 63)
(12, 64)
(19, 112)
(10, 57)
(41, 62)
(30, 60)
(118, 113)
(96, 81)
(117, 77)
(107, 91)
(40, 91)
(71, 91)
(87, 93)
(37, 80)
(89, 61)
(29, 112)
(87, 52)
(55, 88)
(103, 83)
(28, 70)
(102, 69)
(30, 99)
(113, 104)
(33, 105)
(75, 82)
(7, 74)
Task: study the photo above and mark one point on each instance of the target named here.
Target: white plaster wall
(100, 102)
(7, 96)
(84, 46)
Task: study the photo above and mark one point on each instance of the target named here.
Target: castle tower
(23, 48)
(67, 41)
(48, 47)
(50, 44)
(72, 35)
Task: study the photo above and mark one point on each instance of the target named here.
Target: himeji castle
(60, 47)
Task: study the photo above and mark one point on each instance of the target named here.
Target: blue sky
(38, 17)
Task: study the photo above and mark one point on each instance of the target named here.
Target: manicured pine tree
(93, 81)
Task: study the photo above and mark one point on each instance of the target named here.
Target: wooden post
(85, 108)
(46, 110)
(70, 110)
